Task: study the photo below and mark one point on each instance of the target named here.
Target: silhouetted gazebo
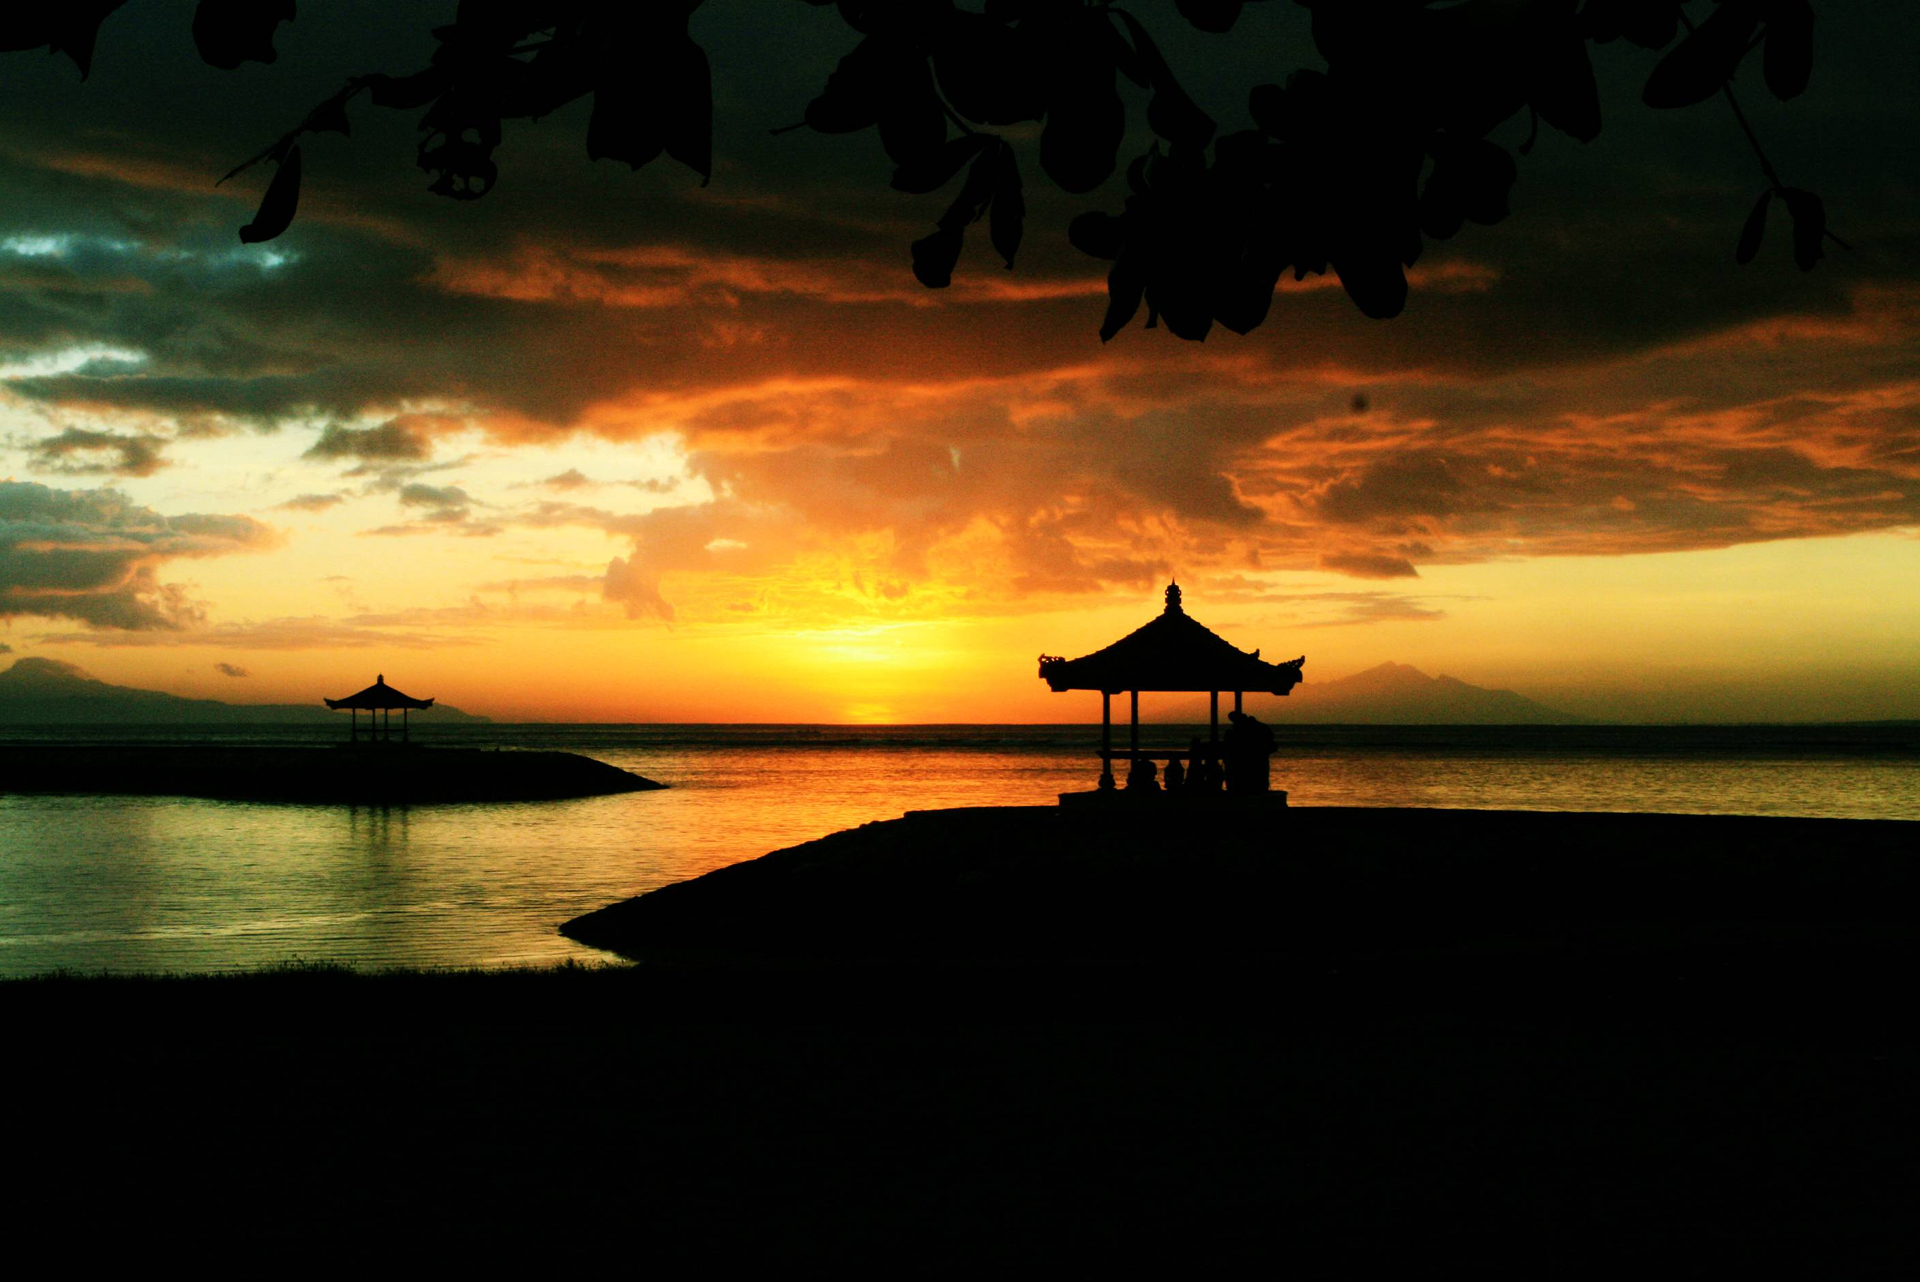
(379, 700)
(1173, 653)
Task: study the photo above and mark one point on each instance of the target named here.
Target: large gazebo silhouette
(379, 700)
(1173, 653)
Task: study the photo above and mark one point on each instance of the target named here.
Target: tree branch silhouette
(1352, 167)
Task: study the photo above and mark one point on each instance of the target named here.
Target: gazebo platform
(1194, 803)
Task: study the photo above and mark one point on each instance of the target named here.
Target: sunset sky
(606, 445)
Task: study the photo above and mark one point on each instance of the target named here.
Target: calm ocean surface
(165, 884)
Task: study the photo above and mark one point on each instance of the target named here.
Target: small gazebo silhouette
(1172, 653)
(379, 700)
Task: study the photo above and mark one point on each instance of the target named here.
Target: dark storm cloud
(1395, 487)
(84, 452)
(231, 670)
(1341, 609)
(390, 440)
(94, 556)
(435, 496)
(313, 502)
(1368, 565)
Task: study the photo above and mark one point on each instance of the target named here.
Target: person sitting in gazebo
(1176, 777)
(1249, 746)
(1202, 775)
(1140, 777)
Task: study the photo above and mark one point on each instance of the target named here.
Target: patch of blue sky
(63, 245)
(92, 358)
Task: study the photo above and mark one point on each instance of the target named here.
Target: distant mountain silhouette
(1398, 694)
(36, 692)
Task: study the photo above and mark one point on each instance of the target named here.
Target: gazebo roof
(379, 695)
(1172, 653)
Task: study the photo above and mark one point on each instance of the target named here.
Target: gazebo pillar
(1106, 741)
(1213, 701)
(1236, 701)
(1133, 730)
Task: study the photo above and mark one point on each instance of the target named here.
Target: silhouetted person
(1176, 777)
(1140, 776)
(1249, 745)
(1199, 768)
(1202, 775)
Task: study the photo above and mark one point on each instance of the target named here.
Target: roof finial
(1173, 597)
(380, 679)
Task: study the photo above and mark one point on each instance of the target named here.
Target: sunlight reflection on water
(144, 883)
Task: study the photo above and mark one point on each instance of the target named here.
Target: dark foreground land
(1440, 1053)
(380, 774)
(1172, 884)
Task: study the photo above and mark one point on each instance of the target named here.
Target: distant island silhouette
(1399, 694)
(38, 691)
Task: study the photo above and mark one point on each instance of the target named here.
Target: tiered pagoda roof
(378, 695)
(1172, 653)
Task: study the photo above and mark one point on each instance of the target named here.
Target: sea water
(128, 883)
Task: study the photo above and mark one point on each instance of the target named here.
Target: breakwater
(377, 774)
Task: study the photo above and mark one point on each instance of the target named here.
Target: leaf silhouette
(1170, 112)
(683, 96)
(1086, 121)
(1651, 24)
(406, 92)
(1487, 176)
(1097, 234)
(933, 170)
(1126, 285)
(1788, 57)
(975, 195)
(1267, 104)
(1563, 87)
(1706, 59)
(1809, 214)
(1008, 219)
(230, 32)
(72, 29)
(622, 126)
(462, 129)
(329, 117)
(277, 206)
(1210, 15)
(988, 71)
(1755, 228)
(851, 98)
(934, 257)
(1375, 283)
(912, 122)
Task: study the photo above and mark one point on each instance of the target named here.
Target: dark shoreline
(1153, 882)
(362, 774)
